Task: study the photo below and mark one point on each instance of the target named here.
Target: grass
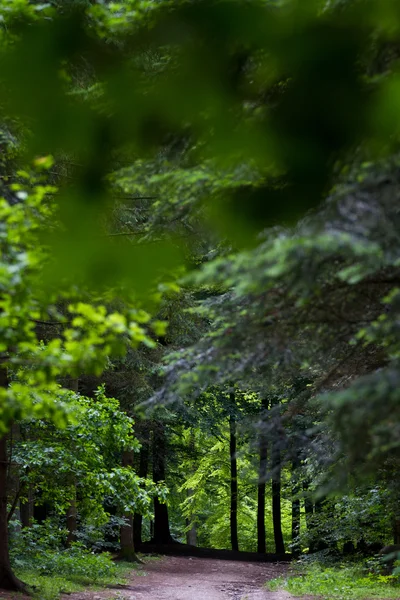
(342, 582)
(49, 587)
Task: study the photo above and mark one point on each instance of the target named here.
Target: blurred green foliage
(284, 91)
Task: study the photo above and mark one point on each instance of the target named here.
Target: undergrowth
(41, 560)
(339, 582)
(49, 586)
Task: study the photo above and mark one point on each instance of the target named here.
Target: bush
(39, 548)
(77, 561)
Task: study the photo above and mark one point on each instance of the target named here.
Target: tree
(86, 340)
(253, 136)
(234, 483)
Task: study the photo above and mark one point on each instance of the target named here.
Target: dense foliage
(200, 217)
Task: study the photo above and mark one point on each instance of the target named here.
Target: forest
(200, 293)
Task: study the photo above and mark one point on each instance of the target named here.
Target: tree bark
(234, 484)
(308, 507)
(191, 534)
(191, 531)
(396, 530)
(276, 501)
(143, 469)
(295, 507)
(162, 533)
(26, 509)
(127, 551)
(262, 477)
(8, 581)
(72, 513)
(72, 519)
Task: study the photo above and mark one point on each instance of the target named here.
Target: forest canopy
(199, 253)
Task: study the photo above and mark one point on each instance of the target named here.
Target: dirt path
(181, 578)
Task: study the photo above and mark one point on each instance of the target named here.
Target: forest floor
(183, 578)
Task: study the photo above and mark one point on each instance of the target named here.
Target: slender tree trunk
(234, 484)
(262, 477)
(276, 501)
(162, 533)
(72, 519)
(8, 581)
(26, 509)
(127, 551)
(396, 530)
(191, 534)
(309, 513)
(295, 507)
(143, 469)
(308, 507)
(72, 513)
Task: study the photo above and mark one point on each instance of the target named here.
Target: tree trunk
(234, 484)
(143, 468)
(276, 501)
(72, 519)
(191, 534)
(295, 508)
(8, 581)
(262, 477)
(72, 513)
(308, 507)
(26, 509)
(162, 533)
(127, 551)
(396, 530)
(309, 513)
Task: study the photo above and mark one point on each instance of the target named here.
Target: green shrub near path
(342, 582)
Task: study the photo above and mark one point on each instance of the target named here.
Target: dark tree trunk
(276, 501)
(295, 507)
(234, 484)
(72, 513)
(162, 533)
(137, 529)
(262, 477)
(26, 509)
(191, 532)
(308, 507)
(72, 519)
(396, 530)
(127, 551)
(348, 548)
(143, 469)
(8, 581)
